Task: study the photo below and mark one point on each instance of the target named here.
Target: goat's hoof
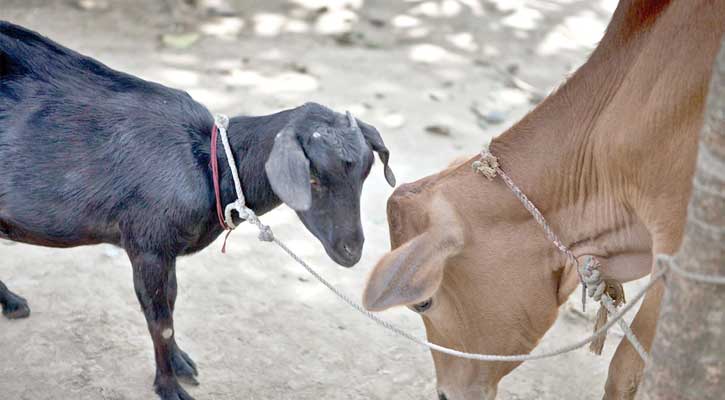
(184, 367)
(15, 307)
(172, 391)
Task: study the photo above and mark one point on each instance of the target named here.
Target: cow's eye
(315, 183)
(422, 306)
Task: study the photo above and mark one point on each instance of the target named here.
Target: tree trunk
(688, 354)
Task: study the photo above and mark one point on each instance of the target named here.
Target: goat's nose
(350, 247)
(442, 396)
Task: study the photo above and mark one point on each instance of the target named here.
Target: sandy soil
(439, 78)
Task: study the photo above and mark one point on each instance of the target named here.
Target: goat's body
(90, 155)
(72, 129)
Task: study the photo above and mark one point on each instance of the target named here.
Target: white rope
(462, 354)
(670, 263)
(612, 309)
(266, 234)
(222, 123)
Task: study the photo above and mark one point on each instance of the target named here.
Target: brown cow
(608, 158)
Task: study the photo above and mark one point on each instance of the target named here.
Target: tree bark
(688, 354)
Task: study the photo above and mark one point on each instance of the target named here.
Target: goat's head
(317, 166)
(470, 260)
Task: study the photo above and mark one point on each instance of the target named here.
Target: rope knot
(265, 233)
(609, 293)
(237, 206)
(221, 120)
(487, 165)
(592, 277)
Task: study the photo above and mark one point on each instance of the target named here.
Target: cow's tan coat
(608, 159)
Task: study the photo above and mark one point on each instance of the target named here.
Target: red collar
(215, 177)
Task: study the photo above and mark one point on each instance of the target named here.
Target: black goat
(91, 155)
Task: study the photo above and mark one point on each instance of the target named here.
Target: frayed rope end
(487, 165)
(614, 290)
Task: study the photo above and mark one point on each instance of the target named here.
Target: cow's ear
(413, 272)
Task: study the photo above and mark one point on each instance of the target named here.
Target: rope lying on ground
(666, 263)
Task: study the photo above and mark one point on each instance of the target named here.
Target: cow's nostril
(347, 248)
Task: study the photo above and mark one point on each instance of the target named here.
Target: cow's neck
(587, 157)
(554, 155)
(554, 148)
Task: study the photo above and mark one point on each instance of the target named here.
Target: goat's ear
(413, 272)
(288, 171)
(373, 138)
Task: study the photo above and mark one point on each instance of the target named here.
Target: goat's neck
(251, 140)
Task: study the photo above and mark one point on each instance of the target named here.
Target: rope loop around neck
(221, 124)
(589, 275)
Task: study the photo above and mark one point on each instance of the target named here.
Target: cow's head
(470, 260)
(317, 166)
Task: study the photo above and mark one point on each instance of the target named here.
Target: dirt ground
(438, 78)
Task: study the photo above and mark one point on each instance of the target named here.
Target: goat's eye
(315, 183)
(423, 306)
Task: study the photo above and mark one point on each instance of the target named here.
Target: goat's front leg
(625, 370)
(151, 274)
(184, 366)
